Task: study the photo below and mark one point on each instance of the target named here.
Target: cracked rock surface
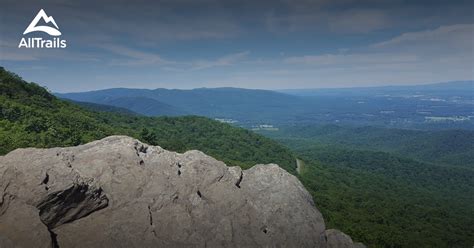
(119, 192)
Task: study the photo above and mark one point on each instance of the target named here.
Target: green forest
(365, 184)
(382, 187)
(387, 201)
(449, 147)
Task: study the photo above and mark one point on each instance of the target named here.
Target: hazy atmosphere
(247, 44)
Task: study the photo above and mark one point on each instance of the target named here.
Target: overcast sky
(250, 44)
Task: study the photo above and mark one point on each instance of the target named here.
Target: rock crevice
(70, 204)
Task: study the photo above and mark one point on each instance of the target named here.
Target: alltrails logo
(38, 42)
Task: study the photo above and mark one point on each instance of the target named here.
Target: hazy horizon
(271, 89)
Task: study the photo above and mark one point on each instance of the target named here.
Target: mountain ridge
(429, 107)
(456, 83)
(214, 103)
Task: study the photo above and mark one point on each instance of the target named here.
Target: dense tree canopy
(385, 200)
(449, 147)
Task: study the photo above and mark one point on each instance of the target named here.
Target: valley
(384, 186)
(428, 107)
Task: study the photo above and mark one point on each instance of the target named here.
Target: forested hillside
(450, 147)
(103, 108)
(389, 187)
(32, 117)
(387, 201)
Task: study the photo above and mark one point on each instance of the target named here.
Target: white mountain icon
(47, 19)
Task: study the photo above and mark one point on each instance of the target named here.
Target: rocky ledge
(119, 192)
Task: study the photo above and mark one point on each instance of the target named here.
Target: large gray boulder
(119, 192)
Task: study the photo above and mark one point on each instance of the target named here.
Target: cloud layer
(256, 44)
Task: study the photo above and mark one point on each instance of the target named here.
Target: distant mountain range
(389, 106)
(236, 103)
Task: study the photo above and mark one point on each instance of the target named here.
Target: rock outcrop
(119, 192)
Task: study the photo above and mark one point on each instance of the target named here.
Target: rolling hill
(146, 106)
(243, 105)
(103, 108)
(388, 201)
(429, 107)
(403, 186)
(450, 147)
